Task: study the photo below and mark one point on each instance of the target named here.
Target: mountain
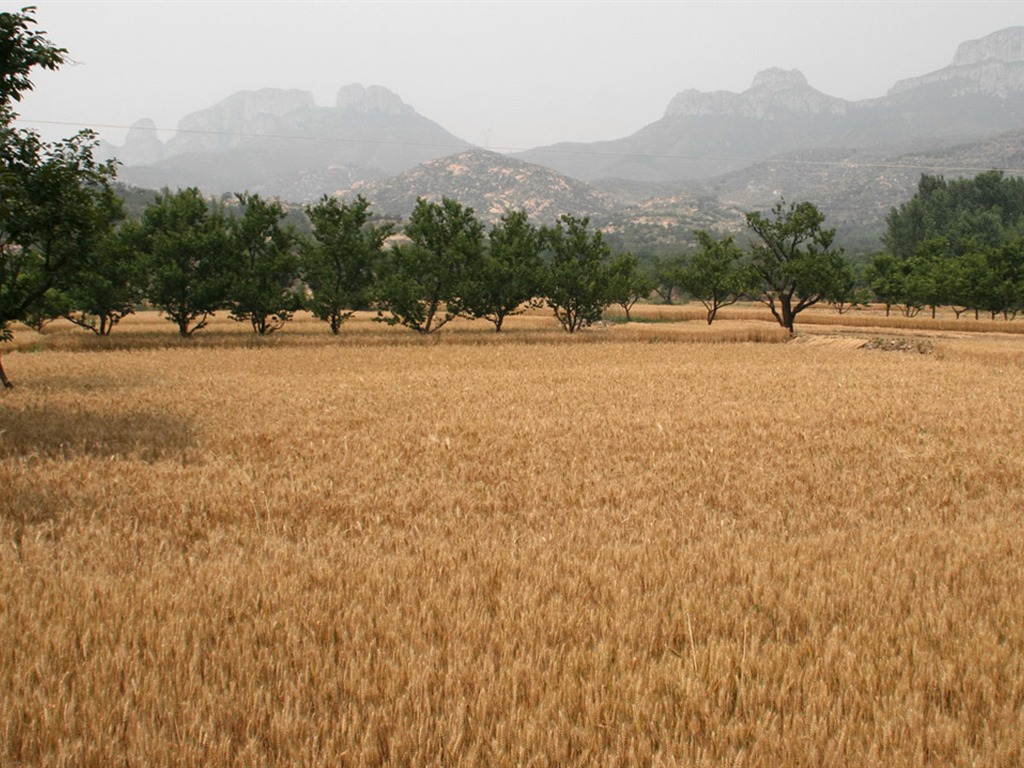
(711, 156)
(279, 142)
(708, 134)
(488, 182)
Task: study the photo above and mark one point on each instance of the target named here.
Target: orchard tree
(667, 272)
(628, 282)
(716, 275)
(187, 252)
(796, 263)
(113, 281)
(422, 282)
(338, 263)
(884, 276)
(577, 277)
(507, 278)
(261, 289)
(51, 194)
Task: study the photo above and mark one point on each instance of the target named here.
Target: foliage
(53, 197)
(187, 251)
(795, 260)
(338, 263)
(577, 278)
(987, 210)
(956, 243)
(422, 282)
(262, 284)
(668, 276)
(628, 282)
(22, 49)
(717, 274)
(112, 283)
(507, 276)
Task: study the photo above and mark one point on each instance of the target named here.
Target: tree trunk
(3, 376)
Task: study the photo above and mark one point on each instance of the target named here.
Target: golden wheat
(635, 547)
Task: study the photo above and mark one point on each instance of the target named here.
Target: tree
(51, 195)
(577, 277)
(262, 285)
(507, 277)
(187, 250)
(112, 283)
(716, 275)
(668, 276)
(795, 259)
(884, 276)
(423, 281)
(338, 264)
(628, 282)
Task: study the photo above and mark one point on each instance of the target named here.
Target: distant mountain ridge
(780, 136)
(275, 141)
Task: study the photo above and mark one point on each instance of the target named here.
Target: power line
(780, 160)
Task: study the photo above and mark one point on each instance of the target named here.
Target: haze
(507, 75)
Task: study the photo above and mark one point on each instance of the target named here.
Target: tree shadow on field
(58, 432)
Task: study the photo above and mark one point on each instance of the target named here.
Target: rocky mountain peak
(228, 123)
(141, 146)
(774, 94)
(780, 79)
(374, 99)
(992, 65)
(1006, 45)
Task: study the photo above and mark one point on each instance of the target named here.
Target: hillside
(281, 143)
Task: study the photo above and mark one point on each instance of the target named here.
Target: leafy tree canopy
(794, 259)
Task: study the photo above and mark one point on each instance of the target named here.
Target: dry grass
(479, 550)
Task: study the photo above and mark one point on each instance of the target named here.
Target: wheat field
(654, 544)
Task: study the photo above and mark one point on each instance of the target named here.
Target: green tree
(668, 276)
(577, 277)
(884, 277)
(112, 283)
(338, 263)
(187, 251)
(507, 278)
(628, 282)
(795, 260)
(51, 194)
(717, 274)
(262, 285)
(1004, 294)
(422, 282)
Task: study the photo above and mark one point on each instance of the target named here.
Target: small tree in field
(667, 272)
(113, 283)
(507, 277)
(423, 282)
(338, 264)
(794, 259)
(266, 266)
(716, 275)
(628, 282)
(577, 278)
(187, 252)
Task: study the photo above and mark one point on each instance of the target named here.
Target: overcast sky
(509, 75)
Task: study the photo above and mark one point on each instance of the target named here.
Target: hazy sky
(513, 74)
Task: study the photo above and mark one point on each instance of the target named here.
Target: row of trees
(191, 257)
(68, 249)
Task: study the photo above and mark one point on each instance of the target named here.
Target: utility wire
(779, 160)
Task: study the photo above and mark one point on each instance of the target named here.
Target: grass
(641, 546)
